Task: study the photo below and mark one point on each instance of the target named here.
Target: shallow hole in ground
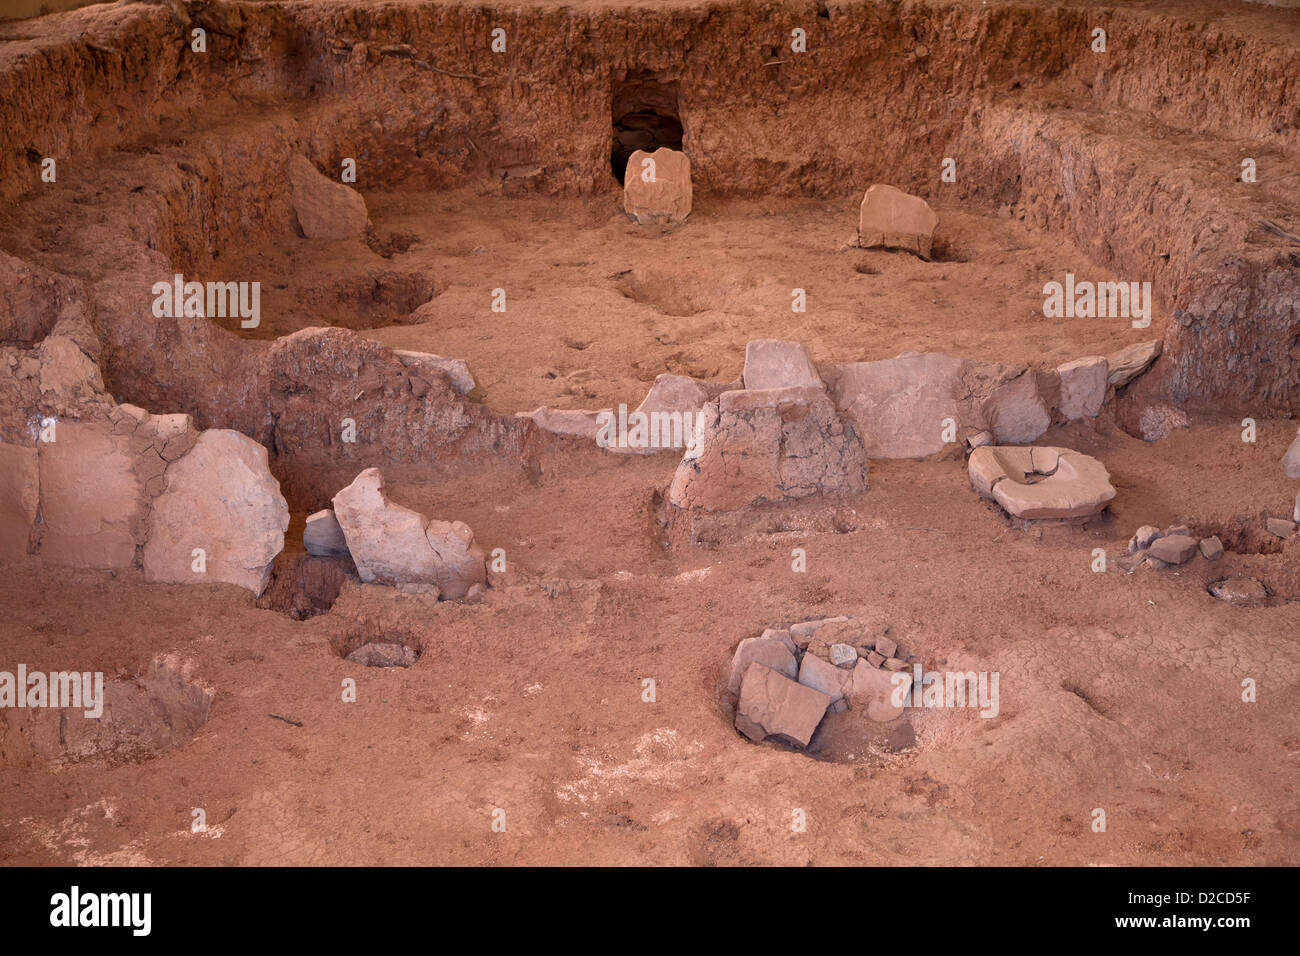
(304, 586)
(139, 718)
(371, 645)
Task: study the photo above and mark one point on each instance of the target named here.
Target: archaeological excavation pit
(518, 363)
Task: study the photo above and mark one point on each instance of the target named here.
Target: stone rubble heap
(896, 406)
(786, 680)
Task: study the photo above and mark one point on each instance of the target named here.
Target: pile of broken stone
(786, 681)
(1152, 548)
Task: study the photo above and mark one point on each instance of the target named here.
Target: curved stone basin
(1040, 481)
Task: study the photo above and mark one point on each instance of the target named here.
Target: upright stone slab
(19, 498)
(392, 544)
(657, 186)
(93, 504)
(1083, 387)
(892, 218)
(222, 498)
(899, 404)
(325, 209)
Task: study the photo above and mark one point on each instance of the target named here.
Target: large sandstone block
(768, 445)
(772, 363)
(1083, 387)
(657, 186)
(325, 209)
(220, 497)
(93, 503)
(772, 705)
(19, 499)
(392, 544)
(899, 404)
(1015, 410)
(892, 218)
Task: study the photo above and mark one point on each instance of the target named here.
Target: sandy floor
(605, 307)
(1119, 692)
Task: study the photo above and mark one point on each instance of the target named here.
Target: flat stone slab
(894, 219)
(577, 423)
(878, 692)
(1041, 482)
(1128, 363)
(899, 404)
(1239, 590)
(824, 676)
(457, 370)
(773, 705)
(770, 651)
(772, 363)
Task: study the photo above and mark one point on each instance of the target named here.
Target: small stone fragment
(1173, 548)
(322, 535)
(1211, 548)
(1280, 527)
(843, 655)
(886, 646)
